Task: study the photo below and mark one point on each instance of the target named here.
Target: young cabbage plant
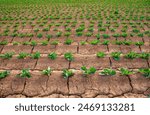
(89, 71)
(67, 34)
(105, 42)
(68, 56)
(4, 42)
(67, 73)
(94, 42)
(100, 54)
(16, 43)
(68, 41)
(145, 72)
(105, 36)
(52, 55)
(125, 71)
(139, 43)
(44, 43)
(98, 36)
(83, 42)
(4, 74)
(25, 73)
(39, 35)
(7, 55)
(49, 36)
(118, 42)
(36, 55)
(58, 34)
(55, 42)
(33, 43)
(47, 71)
(22, 55)
(131, 55)
(116, 55)
(108, 72)
(144, 55)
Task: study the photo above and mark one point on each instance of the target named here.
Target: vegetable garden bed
(72, 48)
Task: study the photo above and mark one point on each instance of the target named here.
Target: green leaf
(125, 71)
(100, 54)
(47, 71)
(4, 74)
(68, 56)
(67, 73)
(145, 72)
(24, 73)
(108, 72)
(52, 55)
(116, 55)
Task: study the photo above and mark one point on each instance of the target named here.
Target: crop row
(69, 56)
(69, 41)
(89, 33)
(66, 73)
(79, 17)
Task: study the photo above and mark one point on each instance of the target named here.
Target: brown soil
(57, 64)
(17, 49)
(88, 61)
(77, 86)
(92, 49)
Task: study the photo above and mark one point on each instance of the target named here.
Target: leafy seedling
(124, 35)
(55, 42)
(105, 36)
(125, 71)
(79, 33)
(68, 56)
(52, 55)
(67, 34)
(89, 71)
(22, 55)
(68, 29)
(116, 55)
(33, 43)
(4, 74)
(118, 42)
(94, 42)
(36, 55)
(108, 72)
(139, 43)
(67, 73)
(25, 43)
(116, 35)
(144, 55)
(127, 42)
(145, 72)
(68, 41)
(106, 42)
(88, 34)
(83, 42)
(44, 43)
(49, 36)
(5, 42)
(7, 55)
(39, 35)
(131, 55)
(16, 43)
(100, 54)
(58, 34)
(47, 71)
(98, 36)
(25, 73)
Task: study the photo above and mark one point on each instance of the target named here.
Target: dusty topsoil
(55, 85)
(26, 19)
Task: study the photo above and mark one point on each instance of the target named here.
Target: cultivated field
(75, 48)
